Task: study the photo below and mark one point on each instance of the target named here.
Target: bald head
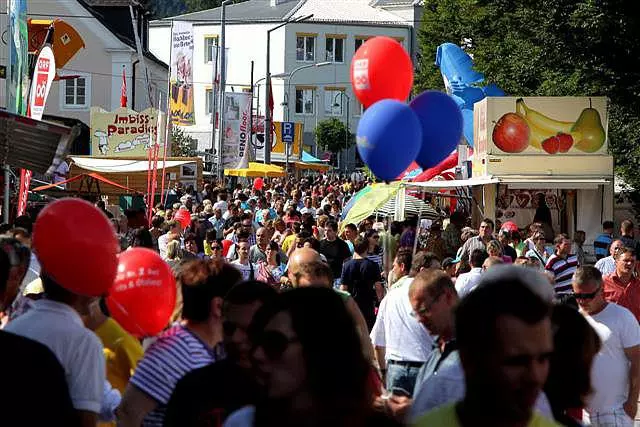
(306, 268)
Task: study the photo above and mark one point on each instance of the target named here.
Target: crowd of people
(287, 315)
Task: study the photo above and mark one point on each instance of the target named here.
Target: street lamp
(346, 134)
(223, 83)
(268, 118)
(302, 67)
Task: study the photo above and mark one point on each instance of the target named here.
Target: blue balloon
(441, 122)
(388, 138)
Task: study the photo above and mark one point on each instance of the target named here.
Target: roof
(344, 11)
(383, 3)
(254, 10)
(110, 3)
(109, 25)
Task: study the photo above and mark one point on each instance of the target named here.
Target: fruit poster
(546, 126)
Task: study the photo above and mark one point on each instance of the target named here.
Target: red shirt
(626, 295)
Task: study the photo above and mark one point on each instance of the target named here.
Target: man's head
(307, 202)
(433, 297)
(491, 261)
(243, 247)
(350, 231)
(262, 237)
(331, 230)
(486, 229)
(587, 289)
(608, 227)
(302, 269)
(579, 237)
(190, 243)
(626, 228)
(562, 244)
(477, 257)
(615, 247)
(402, 262)
(424, 261)
(625, 262)
(239, 307)
(204, 284)
(361, 246)
(503, 331)
(449, 266)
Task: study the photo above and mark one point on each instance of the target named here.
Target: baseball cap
(448, 261)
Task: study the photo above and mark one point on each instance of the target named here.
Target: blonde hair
(494, 245)
(173, 250)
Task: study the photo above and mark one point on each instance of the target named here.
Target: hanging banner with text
(181, 96)
(236, 133)
(124, 132)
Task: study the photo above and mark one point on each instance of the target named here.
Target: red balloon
(381, 69)
(509, 226)
(183, 217)
(143, 295)
(258, 183)
(76, 246)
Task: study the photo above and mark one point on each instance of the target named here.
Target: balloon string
(126, 313)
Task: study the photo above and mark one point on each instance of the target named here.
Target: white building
(334, 32)
(107, 31)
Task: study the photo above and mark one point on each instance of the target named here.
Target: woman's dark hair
(273, 245)
(340, 391)
(156, 221)
(575, 343)
(142, 238)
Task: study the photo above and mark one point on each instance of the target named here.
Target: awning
(121, 165)
(256, 170)
(91, 175)
(33, 144)
(308, 158)
(555, 182)
(436, 185)
(312, 166)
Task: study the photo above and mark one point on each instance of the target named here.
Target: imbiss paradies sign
(125, 133)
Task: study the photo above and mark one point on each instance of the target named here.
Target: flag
(271, 98)
(123, 94)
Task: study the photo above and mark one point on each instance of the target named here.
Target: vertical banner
(17, 83)
(181, 80)
(236, 132)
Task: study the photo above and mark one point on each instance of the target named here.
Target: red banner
(25, 182)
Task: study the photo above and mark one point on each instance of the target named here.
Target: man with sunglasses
(206, 396)
(623, 286)
(615, 374)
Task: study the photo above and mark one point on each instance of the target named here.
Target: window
(359, 41)
(359, 109)
(305, 48)
(208, 101)
(335, 49)
(209, 43)
(333, 102)
(77, 92)
(304, 101)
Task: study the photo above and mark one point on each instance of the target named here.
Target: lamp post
(302, 67)
(346, 134)
(267, 116)
(223, 83)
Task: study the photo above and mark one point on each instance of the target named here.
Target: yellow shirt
(288, 241)
(122, 353)
(445, 416)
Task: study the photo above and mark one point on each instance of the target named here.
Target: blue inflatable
(389, 137)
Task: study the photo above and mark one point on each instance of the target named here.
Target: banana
(541, 121)
(537, 134)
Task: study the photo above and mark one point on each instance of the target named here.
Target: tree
(182, 145)
(331, 135)
(163, 8)
(549, 48)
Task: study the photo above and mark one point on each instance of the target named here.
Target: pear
(589, 125)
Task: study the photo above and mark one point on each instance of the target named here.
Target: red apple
(551, 145)
(566, 142)
(511, 133)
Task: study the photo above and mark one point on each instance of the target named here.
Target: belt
(405, 363)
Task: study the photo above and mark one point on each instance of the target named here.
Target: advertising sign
(125, 132)
(181, 85)
(288, 134)
(541, 126)
(236, 133)
(17, 83)
(41, 84)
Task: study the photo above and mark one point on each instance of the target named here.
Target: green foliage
(331, 134)
(549, 48)
(182, 145)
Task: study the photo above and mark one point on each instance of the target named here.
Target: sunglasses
(215, 248)
(426, 309)
(590, 295)
(274, 343)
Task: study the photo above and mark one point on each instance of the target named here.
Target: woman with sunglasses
(539, 252)
(311, 365)
(271, 270)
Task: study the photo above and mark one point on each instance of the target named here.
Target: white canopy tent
(121, 165)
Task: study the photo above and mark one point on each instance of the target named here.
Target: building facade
(313, 58)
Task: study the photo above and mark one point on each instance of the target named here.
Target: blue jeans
(401, 376)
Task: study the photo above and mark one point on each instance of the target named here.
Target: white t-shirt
(312, 211)
(245, 269)
(402, 335)
(618, 329)
(466, 282)
(606, 265)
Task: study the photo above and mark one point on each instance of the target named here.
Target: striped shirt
(376, 257)
(563, 269)
(176, 352)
